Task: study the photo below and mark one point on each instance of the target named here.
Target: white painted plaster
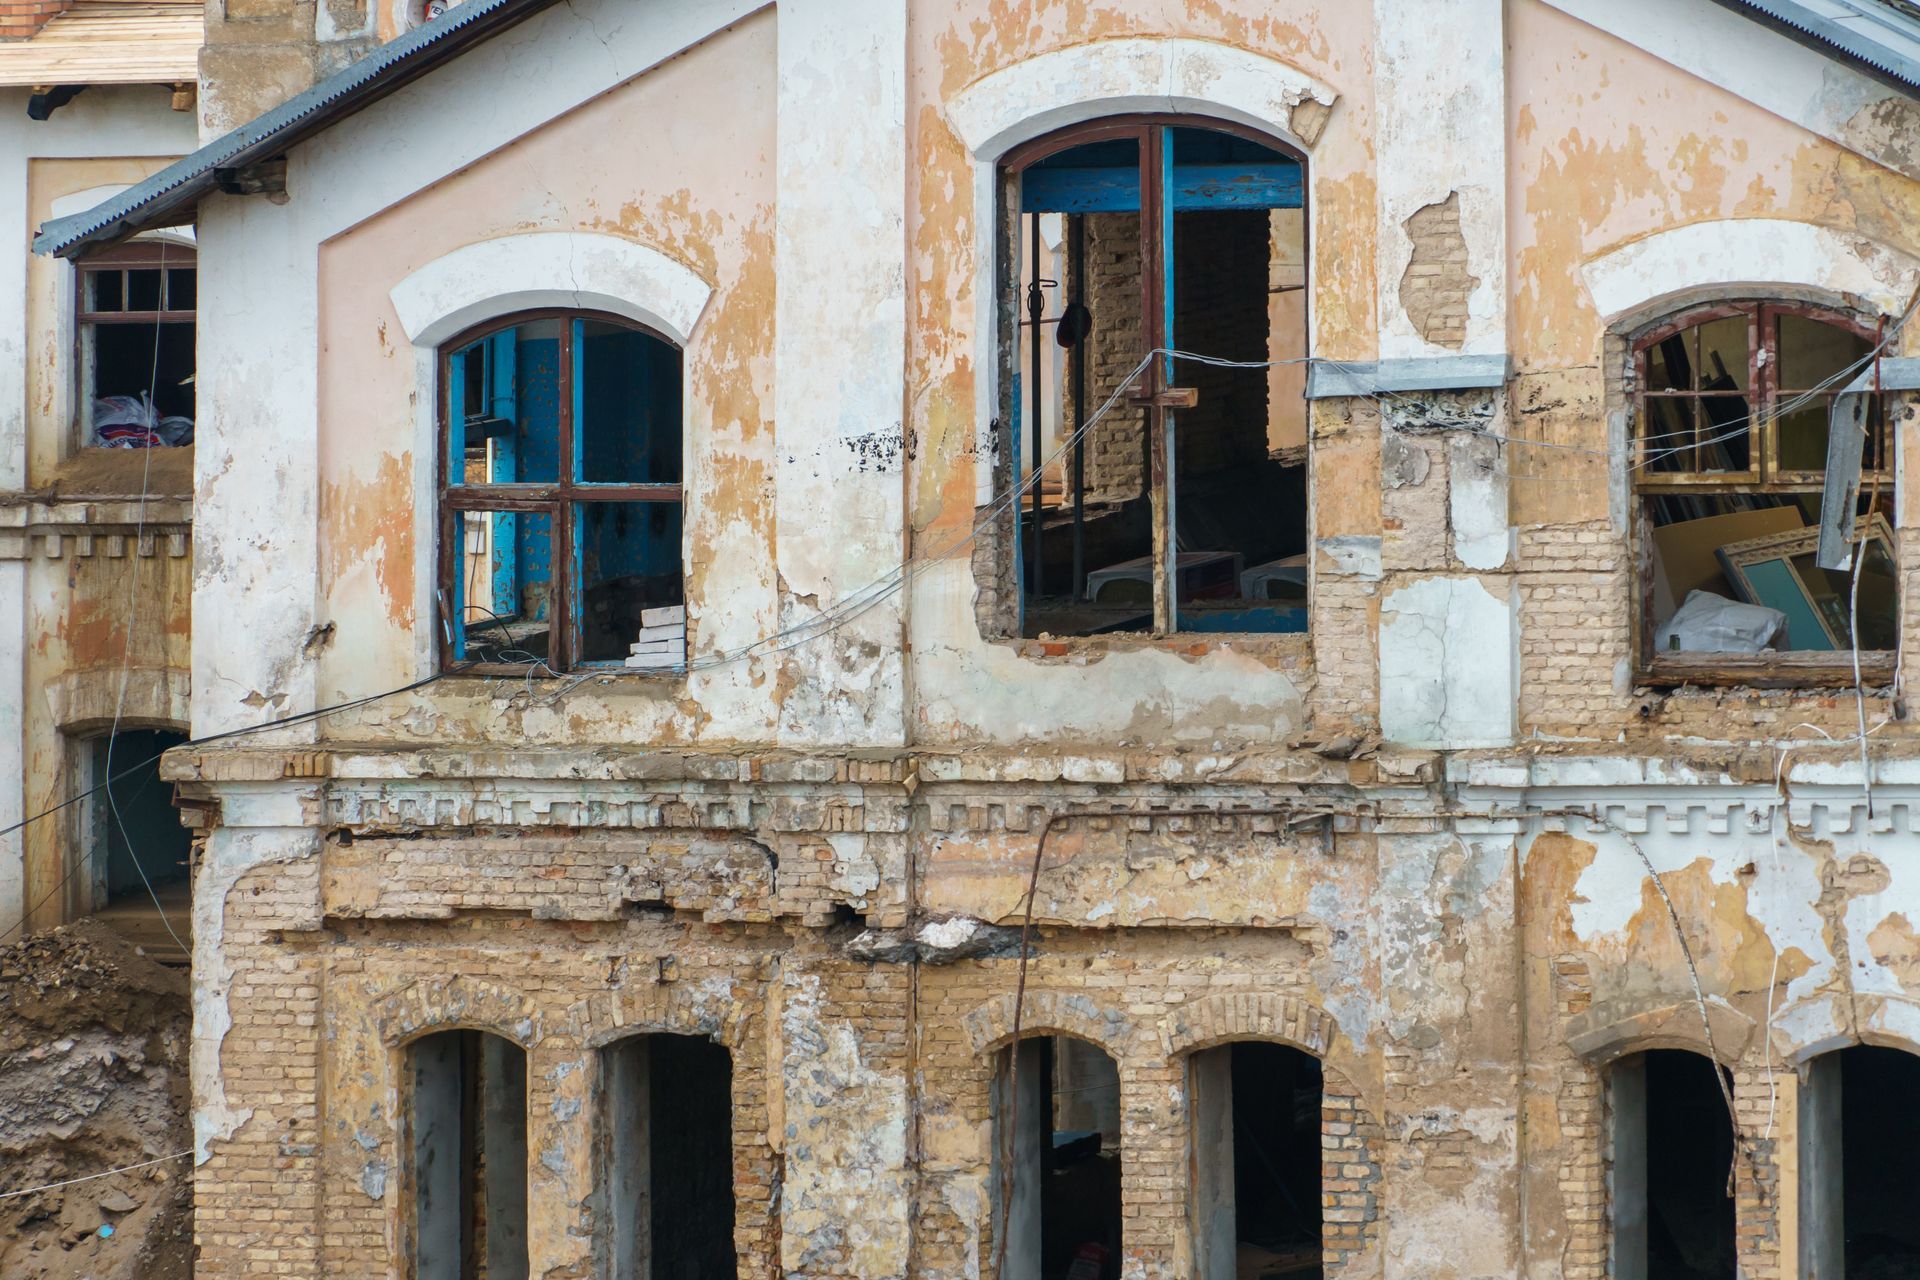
(840, 349)
(1730, 254)
(1447, 665)
(256, 544)
(1813, 89)
(1440, 93)
(580, 270)
(1477, 502)
(1051, 90)
(13, 740)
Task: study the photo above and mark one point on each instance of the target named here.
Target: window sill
(121, 473)
(1293, 646)
(545, 675)
(1768, 671)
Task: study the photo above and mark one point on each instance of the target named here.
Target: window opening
(1672, 1148)
(562, 499)
(1064, 1221)
(1257, 1204)
(1183, 508)
(469, 1149)
(669, 1156)
(1858, 1133)
(148, 838)
(1733, 410)
(135, 321)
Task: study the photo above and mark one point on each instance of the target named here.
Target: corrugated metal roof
(160, 200)
(1882, 37)
(111, 42)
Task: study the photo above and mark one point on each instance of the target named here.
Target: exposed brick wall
(1116, 447)
(20, 19)
(1435, 286)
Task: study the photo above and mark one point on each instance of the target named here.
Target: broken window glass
(135, 322)
(562, 486)
(1734, 409)
(1182, 505)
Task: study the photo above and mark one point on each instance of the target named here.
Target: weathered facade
(1497, 858)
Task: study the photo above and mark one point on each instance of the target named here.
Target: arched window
(1182, 506)
(1672, 1150)
(561, 497)
(1056, 1163)
(1736, 407)
(468, 1121)
(667, 1158)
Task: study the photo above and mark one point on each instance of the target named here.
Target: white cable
(126, 1168)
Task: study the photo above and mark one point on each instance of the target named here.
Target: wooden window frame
(1155, 393)
(163, 256)
(558, 501)
(1789, 669)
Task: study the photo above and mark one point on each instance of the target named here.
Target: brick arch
(1063, 1012)
(609, 1016)
(443, 1004)
(1213, 1020)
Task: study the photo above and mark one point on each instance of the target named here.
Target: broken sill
(1808, 670)
(583, 674)
(1290, 646)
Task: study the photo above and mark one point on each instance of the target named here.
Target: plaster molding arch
(617, 1013)
(445, 1004)
(1729, 255)
(1818, 1024)
(1221, 1019)
(1049, 91)
(577, 270)
(1671, 1026)
(81, 702)
(1070, 1013)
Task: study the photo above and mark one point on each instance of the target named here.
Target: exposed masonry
(1435, 286)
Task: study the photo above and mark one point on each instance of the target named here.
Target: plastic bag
(131, 422)
(1708, 623)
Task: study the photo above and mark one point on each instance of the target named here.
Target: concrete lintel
(1327, 379)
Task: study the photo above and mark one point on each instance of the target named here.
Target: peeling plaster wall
(71, 565)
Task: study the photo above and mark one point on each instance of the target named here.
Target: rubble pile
(93, 1077)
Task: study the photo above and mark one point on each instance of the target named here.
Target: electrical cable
(125, 1168)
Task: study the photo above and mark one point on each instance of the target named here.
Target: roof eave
(157, 201)
(1794, 21)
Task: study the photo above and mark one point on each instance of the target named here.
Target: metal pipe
(1036, 306)
(1077, 248)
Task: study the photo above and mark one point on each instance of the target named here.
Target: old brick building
(704, 500)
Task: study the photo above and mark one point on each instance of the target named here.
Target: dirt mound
(93, 1076)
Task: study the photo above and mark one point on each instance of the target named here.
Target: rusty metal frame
(1158, 396)
(556, 500)
(1781, 670)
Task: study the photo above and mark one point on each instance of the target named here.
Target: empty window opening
(469, 1122)
(135, 322)
(1256, 1161)
(1672, 1149)
(1183, 506)
(669, 1156)
(1063, 1154)
(562, 492)
(138, 853)
(1859, 1212)
(1734, 410)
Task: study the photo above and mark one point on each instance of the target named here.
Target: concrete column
(1822, 1181)
(13, 740)
(1627, 1129)
(1214, 1207)
(436, 1083)
(629, 1157)
(1022, 1224)
(839, 358)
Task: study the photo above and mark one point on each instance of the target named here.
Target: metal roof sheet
(160, 200)
(1881, 36)
(110, 42)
